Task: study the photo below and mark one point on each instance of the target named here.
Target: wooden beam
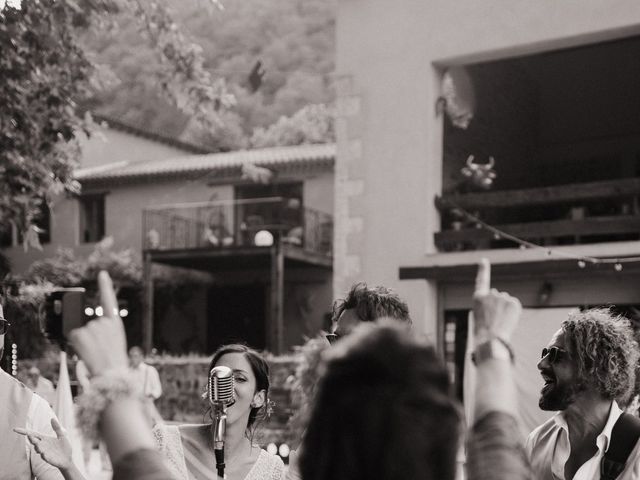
(276, 320)
(547, 269)
(294, 252)
(543, 196)
(613, 225)
(147, 313)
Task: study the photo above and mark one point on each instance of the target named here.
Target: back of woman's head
(383, 411)
(260, 369)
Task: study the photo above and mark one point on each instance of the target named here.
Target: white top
(548, 449)
(39, 418)
(267, 466)
(147, 377)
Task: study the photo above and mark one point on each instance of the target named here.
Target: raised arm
(495, 447)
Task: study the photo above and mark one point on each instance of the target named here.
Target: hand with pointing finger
(496, 314)
(102, 343)
(54, 450)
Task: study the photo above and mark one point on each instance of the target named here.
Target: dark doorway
(237, 315)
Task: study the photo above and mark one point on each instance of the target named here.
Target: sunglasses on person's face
(332, 337)
(4, 326)
(554, 354)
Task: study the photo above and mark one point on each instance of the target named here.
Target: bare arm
(495, 447)
(496, 315)
(123, 425)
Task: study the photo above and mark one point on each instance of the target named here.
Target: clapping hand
(496, 314)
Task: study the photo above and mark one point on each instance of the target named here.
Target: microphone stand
(219, 429)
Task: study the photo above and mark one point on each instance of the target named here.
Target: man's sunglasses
(4, 326)
(332, 337)
(554, 354)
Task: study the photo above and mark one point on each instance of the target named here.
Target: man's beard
(558, 396)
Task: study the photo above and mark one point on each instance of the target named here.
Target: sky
(12, 3)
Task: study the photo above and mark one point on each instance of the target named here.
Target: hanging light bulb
(618, 267)
(582, 263)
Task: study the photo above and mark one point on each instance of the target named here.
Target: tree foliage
(293, 39)
(45, 71)
(311, 124)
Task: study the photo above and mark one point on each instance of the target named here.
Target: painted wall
(106, 146)
(124, 205)
(318, 192)
(389, 166)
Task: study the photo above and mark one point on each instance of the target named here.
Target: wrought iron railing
(237, 223)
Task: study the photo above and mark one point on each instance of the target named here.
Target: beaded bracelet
(104, 390)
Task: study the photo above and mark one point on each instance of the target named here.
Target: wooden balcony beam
(613, 225)
(543, 196)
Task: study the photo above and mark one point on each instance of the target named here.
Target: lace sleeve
(278, 469)
(267, 467)
(170, 446)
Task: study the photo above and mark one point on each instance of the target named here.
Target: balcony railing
(235, 223)
(557, 215)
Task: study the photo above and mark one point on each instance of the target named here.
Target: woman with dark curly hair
(189, 448)
(589, 364)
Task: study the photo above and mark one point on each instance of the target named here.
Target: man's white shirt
(548, 449)
(147, 377)
(39, 418)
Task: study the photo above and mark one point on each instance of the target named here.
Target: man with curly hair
(588, 364)
(366, 304)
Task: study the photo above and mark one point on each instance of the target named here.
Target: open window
(92, 218)
(564, 130)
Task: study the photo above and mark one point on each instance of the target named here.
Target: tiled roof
(276, 157)
(166, 138)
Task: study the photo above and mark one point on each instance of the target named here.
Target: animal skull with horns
(480, 174)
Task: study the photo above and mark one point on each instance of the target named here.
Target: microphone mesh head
(220, 386)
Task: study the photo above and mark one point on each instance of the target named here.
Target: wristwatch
(493, 348)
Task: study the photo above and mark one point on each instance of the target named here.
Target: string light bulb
(582, 263)
(618, 267)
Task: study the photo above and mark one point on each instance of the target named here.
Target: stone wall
(184, 379)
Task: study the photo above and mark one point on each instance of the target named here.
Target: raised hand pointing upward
(496, 314)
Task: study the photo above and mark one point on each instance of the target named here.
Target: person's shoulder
(162, 431)
(167, 436)
(11, 380)
(272, 464)
(150, 367)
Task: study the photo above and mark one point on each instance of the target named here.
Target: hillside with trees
(292, 39)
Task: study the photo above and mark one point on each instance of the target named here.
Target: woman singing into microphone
(189, 448)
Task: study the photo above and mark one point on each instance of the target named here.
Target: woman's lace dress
(169, 442)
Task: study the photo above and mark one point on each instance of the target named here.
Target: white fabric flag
(65, 411)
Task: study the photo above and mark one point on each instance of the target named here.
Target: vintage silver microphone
(221, 395)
